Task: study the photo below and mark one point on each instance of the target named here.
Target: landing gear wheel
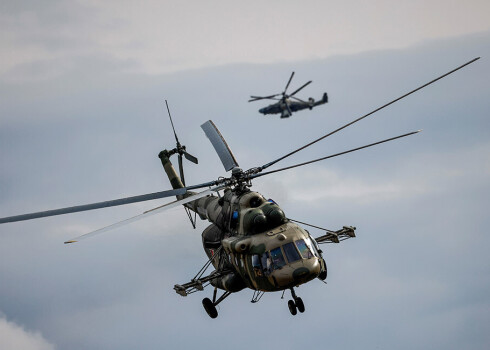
(292, 307)
(210, 308)
(300, 305)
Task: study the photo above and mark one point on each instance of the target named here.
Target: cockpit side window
(277, 258)
(303, 249)
(265, 260)
(314, 246)
(257, 266)
(291, 253)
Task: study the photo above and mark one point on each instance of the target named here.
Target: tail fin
(174, 179)
(323, 100)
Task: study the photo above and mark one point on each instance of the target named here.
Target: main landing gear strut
(296, 304)
(210, 306)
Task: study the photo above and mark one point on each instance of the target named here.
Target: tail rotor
(180, 149)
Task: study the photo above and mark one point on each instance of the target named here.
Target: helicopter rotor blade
(227, 159)
(220, 145)
(106, 204)
(181, 169)
(180, 150)
(171, 122)
(98, 205)
(298, 99)
(289, 81)
(190, 158)
(147, 214)
(366, 115)
(256, 98)
(333, 155)
(301, 88)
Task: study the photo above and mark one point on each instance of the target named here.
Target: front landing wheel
(292, 307)
(210, 307)
(300, 305)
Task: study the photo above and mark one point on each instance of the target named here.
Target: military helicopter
(285, 106)
(250, 242)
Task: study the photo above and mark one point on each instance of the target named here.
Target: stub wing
(337, 236)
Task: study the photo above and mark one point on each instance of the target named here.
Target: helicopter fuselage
(294, 106)
(261, 248)
(252, 241)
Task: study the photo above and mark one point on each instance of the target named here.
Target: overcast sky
(82, 119)
(163, 36)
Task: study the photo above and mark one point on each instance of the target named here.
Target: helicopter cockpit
(286, 254)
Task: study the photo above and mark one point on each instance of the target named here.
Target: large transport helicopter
(251, 243)
(285, 105)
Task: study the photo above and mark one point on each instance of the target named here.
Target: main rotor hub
(237, 172)
(240, 180)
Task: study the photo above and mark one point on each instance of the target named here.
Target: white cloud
(14, 337)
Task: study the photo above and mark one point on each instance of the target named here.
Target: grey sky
(163, 36)
(82, 119)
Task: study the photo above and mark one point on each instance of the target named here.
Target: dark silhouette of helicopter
(285, 106)
(251, 243)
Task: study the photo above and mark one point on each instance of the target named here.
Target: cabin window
(277, 258)
(257, 266)
(291, 253)
(265, 260)
(303, 249)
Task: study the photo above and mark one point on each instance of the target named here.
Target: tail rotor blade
(181, 169)
(171, 122)
(191, 158)
(180, 149)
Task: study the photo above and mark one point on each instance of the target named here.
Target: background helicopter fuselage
(294, 106)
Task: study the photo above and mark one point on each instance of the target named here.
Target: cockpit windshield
(291, 252)
(303, 249)
(275, 259)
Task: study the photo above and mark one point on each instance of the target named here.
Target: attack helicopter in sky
(285, 105)
(251, 243)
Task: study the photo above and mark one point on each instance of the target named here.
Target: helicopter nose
(309, 271)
